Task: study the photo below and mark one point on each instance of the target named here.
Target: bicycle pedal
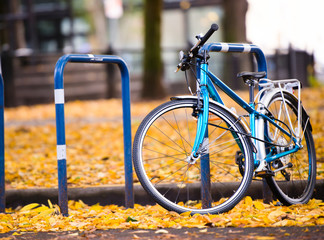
(264, 173)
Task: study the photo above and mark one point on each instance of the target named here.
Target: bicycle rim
(163, 145)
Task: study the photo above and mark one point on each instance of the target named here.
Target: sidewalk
(269, 233)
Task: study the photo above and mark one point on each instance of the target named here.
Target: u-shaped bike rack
(60, 123)
(239, 48)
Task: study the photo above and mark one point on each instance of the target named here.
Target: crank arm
(289, 165)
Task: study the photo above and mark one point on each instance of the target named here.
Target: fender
(175, 98)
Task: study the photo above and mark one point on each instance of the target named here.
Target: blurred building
(35, 33)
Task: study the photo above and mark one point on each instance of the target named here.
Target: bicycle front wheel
(210, 184)
(294, 184)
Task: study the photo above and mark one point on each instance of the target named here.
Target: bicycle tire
(302, 174)
(162, 144)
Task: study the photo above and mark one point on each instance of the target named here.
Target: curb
(108, 195)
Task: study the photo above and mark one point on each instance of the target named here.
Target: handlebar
(213, 28)
(194, 50)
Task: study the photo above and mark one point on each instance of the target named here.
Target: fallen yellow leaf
(258, 205)
(29, 207)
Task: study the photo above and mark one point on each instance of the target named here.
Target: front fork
(203, 112)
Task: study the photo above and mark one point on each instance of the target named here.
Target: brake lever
(197, 43)
(178, 68)
(181, 57)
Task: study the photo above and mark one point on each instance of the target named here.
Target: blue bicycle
(195, 154)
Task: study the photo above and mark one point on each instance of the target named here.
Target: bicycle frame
(257, 119)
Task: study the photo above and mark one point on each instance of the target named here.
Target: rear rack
(288, 85)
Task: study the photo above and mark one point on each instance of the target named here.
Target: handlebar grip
(213, 28)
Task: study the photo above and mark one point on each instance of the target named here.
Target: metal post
(2, 149)
(205, 190)
(205, 177)
(60, 124)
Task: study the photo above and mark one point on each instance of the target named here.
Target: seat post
(251, 91)
(250, 78)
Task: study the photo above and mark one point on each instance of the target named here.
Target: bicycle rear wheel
(162, 147)
(294, 184)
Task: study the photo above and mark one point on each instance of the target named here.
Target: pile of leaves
(248, 213)
(94, 138)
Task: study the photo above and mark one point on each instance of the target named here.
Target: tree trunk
(19, 26)
(153, 66)
(235, 32)
(234, 21)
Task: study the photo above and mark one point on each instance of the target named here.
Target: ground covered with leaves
(248, 213)
(94, 138)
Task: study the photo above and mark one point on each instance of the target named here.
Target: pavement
(282, 233)
(114, 194)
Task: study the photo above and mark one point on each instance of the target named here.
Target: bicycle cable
(193, 72)
(258, 139)
(189, 88)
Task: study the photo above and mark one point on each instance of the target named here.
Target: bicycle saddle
(251, 75)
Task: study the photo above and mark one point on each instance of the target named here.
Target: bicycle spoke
(176, 131)
(188, 128)
(165, 144)
(183, 179)
(164, 155)
(214, 180)
(170, 175)
(175, 119)
(226, 171)
(220, 150)
(167, 165)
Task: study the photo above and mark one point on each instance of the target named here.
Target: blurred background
(148, 34)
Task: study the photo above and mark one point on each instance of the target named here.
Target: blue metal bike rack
(262, 66)
(60, 123)
(2, 149)
(239, 48)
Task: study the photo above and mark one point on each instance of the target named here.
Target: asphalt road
(316, 232)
